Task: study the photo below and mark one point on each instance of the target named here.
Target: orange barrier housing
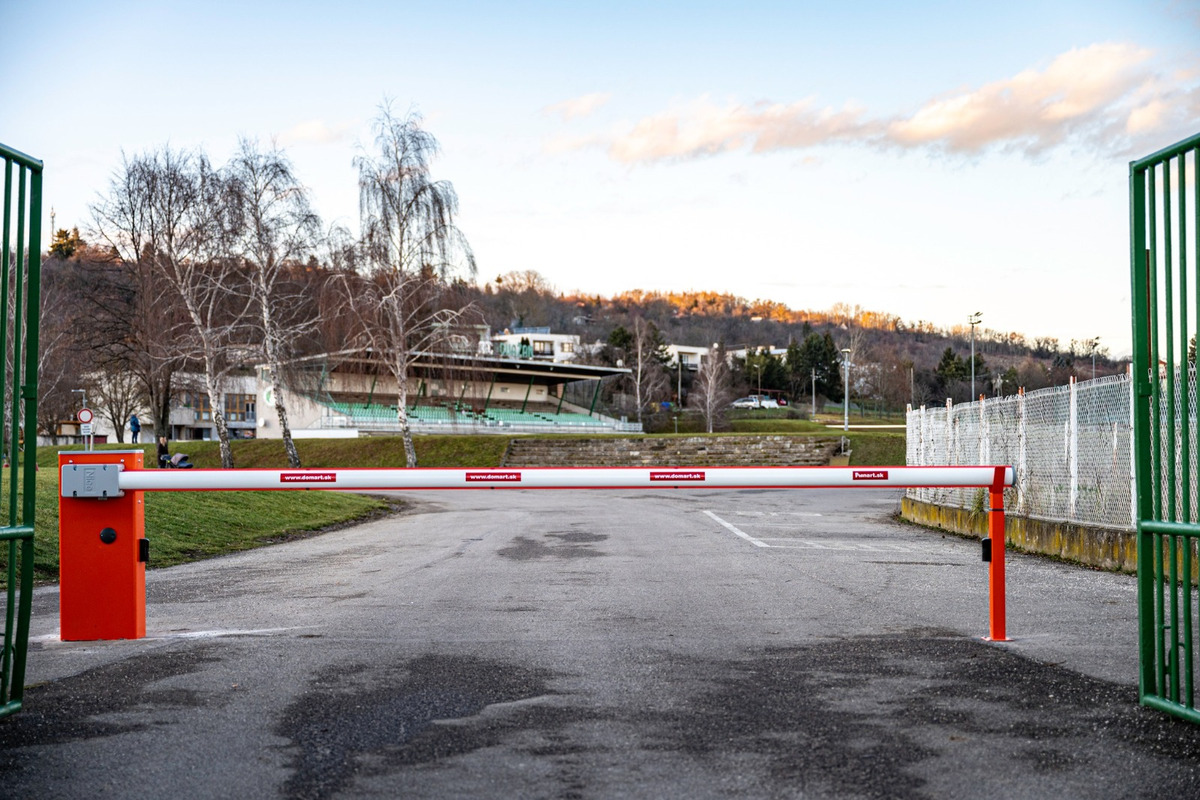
(102, 579)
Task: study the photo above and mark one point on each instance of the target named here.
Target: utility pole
(974, 320)
(846, 400)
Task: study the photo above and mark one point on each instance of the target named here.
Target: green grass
(877, 448)
(187, 526)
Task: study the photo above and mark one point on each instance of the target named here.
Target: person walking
(135, 427)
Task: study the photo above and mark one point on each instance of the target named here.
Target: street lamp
(1095, 344)
(974, 320)
(759, 367)
(846, 400)
(814, 394)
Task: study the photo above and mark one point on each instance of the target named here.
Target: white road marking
(740, 533)
(836, 544)
(56, 636)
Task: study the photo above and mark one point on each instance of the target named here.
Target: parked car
(754, 401)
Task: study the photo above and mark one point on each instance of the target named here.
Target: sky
(925, 159)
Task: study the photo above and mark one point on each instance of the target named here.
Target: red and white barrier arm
(563, 478)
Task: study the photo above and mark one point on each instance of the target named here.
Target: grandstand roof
(541, 372)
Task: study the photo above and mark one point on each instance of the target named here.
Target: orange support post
(102, 574)
(996, 600)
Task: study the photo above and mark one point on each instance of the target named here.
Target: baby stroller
(177, 461)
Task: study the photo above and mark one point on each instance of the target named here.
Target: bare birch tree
(648, 357)
(276, 229)
(411, 248)
(713, 390)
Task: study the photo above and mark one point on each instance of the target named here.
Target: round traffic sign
(86, 415)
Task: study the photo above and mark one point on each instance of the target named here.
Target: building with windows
(535, 343)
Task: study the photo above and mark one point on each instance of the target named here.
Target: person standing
(135, 427)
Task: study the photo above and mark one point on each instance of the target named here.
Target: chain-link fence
(1071, 447)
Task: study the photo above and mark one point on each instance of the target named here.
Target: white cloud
(578, 107)
(1083, 91)
(316, 131)
(1106, 97)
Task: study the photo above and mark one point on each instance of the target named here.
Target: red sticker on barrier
(473, 477)
(308, 477)
(678, 475)
(870, 475)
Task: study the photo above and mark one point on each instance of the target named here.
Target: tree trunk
(272, 353)
(410, 452)
(160, 405)
(288, 445)
(214, 398)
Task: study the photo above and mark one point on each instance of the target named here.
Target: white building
(690, 357)
(536, 343)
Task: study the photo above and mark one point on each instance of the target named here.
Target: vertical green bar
(1185, 367)
(1159, 439)
(33, 299)
(18, 270)
(1140, 292)
(1170, 632)
(9, 611)
(1189, 639)
(4, 308)
(1187, 429)
(1155, 442)
(29, 395)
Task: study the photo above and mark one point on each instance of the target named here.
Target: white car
(754, 401)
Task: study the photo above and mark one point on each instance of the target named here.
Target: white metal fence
(1071, 446)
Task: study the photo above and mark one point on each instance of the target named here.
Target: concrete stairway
(691, 451)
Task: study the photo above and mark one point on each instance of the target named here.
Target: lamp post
(846, 400)
(974, 320)
(758, 367)
(1095, 345)
(814, 394)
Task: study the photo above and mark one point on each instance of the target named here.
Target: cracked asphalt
(605, 644)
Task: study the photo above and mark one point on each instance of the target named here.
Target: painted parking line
(790, 543)
(738, 531)
(843, 544)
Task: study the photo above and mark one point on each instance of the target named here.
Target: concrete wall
(1105, 548)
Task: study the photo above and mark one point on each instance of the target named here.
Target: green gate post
(1165, 411)
(25, 264)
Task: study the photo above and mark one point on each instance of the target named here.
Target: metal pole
(846, 398)
(814, 393)
(974, 320)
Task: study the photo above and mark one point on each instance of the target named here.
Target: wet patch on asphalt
(354, 720)
(874, 717)
(74, 708)
(563, 544)
(883, 716)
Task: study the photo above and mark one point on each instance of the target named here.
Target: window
(199, 404)
(543, 348)
(239, 407)
(568, 347)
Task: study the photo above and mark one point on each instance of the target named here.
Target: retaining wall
(1105, 548)
(683, 451)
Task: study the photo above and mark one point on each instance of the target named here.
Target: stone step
(784, 451)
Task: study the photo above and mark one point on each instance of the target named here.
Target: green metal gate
(19, 290)
(1165, 234)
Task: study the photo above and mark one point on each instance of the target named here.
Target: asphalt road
(605, 644)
